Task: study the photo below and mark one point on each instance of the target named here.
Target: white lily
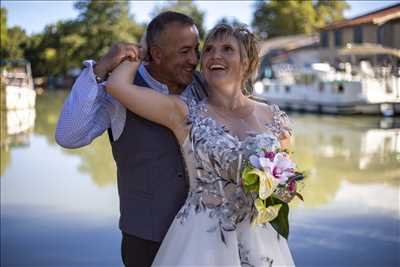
(281, 167)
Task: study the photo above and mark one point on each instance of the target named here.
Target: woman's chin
(217, 81)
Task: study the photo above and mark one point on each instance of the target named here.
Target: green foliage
(103, 23)
(276, 18)
(230, 21)
(329, 11)
(62, 46)
(250, 180)
(281, 222)
(186, 7)
(56, 50)
(16, 42)
(3, 34)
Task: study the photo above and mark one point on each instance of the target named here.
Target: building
(373, 37)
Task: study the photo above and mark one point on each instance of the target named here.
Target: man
(150, 170)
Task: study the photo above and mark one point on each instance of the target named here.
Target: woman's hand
(137, 53)
(124, 74)
(117, 53)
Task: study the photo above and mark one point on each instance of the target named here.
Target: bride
(217, 136)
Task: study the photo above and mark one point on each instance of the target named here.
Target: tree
(186, 7)
(17, 40)
(329, 11)
(103, 23)
(230, 21)
(62, 46)
(13, 40)
(33, 53)
(56, 50)
(3, 36)
(277, 18)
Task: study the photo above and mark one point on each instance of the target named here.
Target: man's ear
(144, 55)
(156, 54)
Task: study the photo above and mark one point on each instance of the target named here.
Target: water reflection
(16, 128)
(345, 149)
(96, 159)
(56, 207)
(338, 151)
(335, 238)
(57, 196)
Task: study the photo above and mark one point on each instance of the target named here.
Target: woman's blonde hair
(248, 46)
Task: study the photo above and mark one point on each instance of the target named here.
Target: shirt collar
(156, 85)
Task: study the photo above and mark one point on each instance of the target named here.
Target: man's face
(179, 45)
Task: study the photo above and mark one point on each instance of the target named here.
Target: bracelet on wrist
(98, 78)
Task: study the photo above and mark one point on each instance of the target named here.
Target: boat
(18, 99)
(17, 88)
(345, 89)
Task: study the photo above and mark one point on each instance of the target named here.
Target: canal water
(59, 207)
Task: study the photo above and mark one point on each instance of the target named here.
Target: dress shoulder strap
(195, 108)
(280, 124)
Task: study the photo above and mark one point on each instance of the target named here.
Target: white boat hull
(368, 96)
(18, 98)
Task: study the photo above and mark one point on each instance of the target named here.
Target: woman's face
(221, 64)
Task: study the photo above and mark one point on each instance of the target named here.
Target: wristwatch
(96, 77)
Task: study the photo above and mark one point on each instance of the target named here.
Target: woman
(217, 136)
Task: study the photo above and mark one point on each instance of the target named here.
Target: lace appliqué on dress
(219, 157)
(244, 254)
(280, 122)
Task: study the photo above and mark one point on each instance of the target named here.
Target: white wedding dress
(213, 227)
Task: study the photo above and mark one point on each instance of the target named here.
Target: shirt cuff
(89, 64)
(88, 81)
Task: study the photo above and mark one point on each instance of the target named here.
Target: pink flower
(292, 186)
(281, 167)
(270, 155)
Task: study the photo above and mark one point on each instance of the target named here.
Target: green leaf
(281, 222)
(249, 177)
(299, 196)
(251, 188)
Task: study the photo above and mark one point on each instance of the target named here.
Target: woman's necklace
(236, 122)
(240, 113)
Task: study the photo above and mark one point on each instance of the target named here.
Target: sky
(33, 16)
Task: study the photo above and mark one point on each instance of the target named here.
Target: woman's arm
(169, 111)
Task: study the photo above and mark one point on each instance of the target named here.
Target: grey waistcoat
(152, 183)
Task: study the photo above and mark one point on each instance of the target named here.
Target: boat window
(268, 73)
(389, 89)
(305, 79)
(340, 89)
(321, 87)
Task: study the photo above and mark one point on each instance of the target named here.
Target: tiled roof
(376, 17)
(288, 42)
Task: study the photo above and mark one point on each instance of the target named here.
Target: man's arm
(85, 114)
(89, 109)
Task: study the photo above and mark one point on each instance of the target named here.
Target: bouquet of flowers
(273, 179)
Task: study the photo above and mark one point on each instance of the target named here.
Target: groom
(152, 183)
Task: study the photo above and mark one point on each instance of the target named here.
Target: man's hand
(118, 53)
